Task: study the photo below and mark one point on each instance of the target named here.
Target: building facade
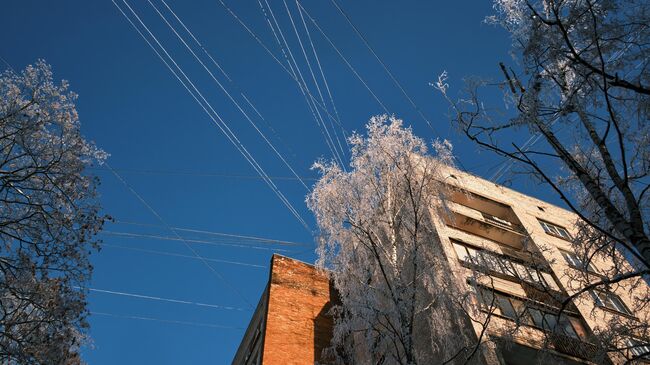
(291, 324)
(513, 253)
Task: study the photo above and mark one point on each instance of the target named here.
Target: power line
(270, 53)
(182, 239)
(229, 235)
(269, 143)
(381, 62)
(383, 65)
(313, 76)
(327, 88)
(277, 39)
(161, 299)
(186, 82)
(232, 82)
(202, 174)
(297, 74)
(165, 253)
(354, 71)
(142, 318)
(162, 221)
(7, 63)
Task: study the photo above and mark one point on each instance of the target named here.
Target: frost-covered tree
(49, 216)
(576, 117)
(399, 304)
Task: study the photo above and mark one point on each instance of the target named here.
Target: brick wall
(297, 325)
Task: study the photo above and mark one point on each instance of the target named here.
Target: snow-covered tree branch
(580, 95)
(399, 303)
(49, 217)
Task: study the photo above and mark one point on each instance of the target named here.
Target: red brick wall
(297, 327)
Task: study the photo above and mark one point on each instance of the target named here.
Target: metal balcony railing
(573, 346)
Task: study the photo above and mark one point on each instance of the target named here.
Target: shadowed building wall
(291, 324)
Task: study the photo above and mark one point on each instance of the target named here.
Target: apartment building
(512, 251)
(522, 248)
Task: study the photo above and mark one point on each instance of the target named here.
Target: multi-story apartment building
(512, 252)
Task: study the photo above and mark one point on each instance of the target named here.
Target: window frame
(503, 265)
(532, 316)
(555, 230)
(603, 302)
(575, 262)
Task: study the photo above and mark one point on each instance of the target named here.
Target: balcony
(518, 354)
(565, 332)
(502, 223)
(574, 347)
(486, 225)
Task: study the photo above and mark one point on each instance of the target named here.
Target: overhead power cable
(241, 110)
(383, 65)
(171, 321)
(277, 39)
(161, 299)
(220, 234)
(7, 63)
(320, 94)
(165, 253)
(185, 240)
(381, 62)
(297, 74)
(270, 53)
(232, 82)
(207, 107)
(345, 60)
(162, 221)
(201, 174)
(322, 73)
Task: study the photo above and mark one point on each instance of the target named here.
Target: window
(555, 230)
(467, 254)
(544, 319)
(609, 300)
(637, 348)
(574, 261)
(506, 307)
(461, 251)
(502, 304)
(503, 265)
(551, 322)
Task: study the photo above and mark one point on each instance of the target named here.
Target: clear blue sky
(134, 109)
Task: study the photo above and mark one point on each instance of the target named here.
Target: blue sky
(167, 149)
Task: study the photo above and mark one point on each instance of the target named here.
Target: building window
(495, 263)
(609, 300)
(550, 322)
(574, 261)
(503, 305)
(555, 230)
(637, 348)
(544, 319)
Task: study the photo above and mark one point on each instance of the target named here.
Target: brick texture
(298, 326)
